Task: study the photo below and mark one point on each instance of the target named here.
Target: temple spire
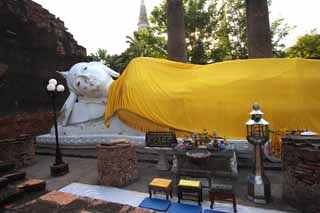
(143, 18)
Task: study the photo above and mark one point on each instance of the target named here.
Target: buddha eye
(85, 68)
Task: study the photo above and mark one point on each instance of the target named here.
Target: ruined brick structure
(56, 201)
(19, 151)
(117, 163)
(27, 123)
(33, 45)
(301, 172)
(17, 144)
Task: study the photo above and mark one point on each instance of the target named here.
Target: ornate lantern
(258, 134)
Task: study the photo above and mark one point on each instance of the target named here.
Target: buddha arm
(67, 109)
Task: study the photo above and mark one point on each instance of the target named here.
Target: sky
(105, 23)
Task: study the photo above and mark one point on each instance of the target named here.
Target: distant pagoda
(143, 17)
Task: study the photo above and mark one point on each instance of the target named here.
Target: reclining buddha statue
(159, 95)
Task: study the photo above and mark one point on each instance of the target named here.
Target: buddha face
(90, 80)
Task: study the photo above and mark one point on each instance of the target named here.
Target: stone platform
(91, 133)
(87, 140)
(14, 186)
(80, 140)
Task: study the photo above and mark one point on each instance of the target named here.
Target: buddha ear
(108, 70)
(111, 72)
(64, 74)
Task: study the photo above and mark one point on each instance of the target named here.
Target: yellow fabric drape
(157, 94)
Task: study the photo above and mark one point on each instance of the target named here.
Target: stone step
(6, 167)
(3, 182)
(32, 185)
(16, 194)
(9, 194)
(15, 176)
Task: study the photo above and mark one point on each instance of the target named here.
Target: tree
(146, 43)
(233, 31)
(176, 31)
(279, 30)
(143, 43)
(199, 20)
(258, 29)
(101, 55)
(215, 31)
(307, 46)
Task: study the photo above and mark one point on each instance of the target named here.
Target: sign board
(161, 139)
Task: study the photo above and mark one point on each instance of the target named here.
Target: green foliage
(233, 27)
(143, 43)
(100, 55)
(279, 30)
(215, 31)
(200, 22)
(307, 46)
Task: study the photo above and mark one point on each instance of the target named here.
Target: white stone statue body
(88, 84)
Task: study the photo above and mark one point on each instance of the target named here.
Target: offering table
(219, 163)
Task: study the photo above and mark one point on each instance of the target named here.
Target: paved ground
(84, 170)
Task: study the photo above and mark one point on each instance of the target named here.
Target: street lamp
(59, 168)
(258, 134)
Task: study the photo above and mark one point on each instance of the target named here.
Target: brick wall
(14, 125)
(301, 171)
(34, 44)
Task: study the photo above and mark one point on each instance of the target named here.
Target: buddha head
(90, 80)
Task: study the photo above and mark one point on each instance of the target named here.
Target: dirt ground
(84, 170)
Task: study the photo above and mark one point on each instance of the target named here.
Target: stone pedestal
(301, 172)
(163, 164)
(117, 163)
(57, 170)
(259, 189)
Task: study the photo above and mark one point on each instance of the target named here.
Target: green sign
(161, 139)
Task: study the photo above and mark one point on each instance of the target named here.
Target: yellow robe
(156, 94)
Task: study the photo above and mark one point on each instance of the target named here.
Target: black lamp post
(59, 168)
(258, 134)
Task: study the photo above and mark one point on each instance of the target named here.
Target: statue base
(92, 132)
(59, 169)
(259, 189)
